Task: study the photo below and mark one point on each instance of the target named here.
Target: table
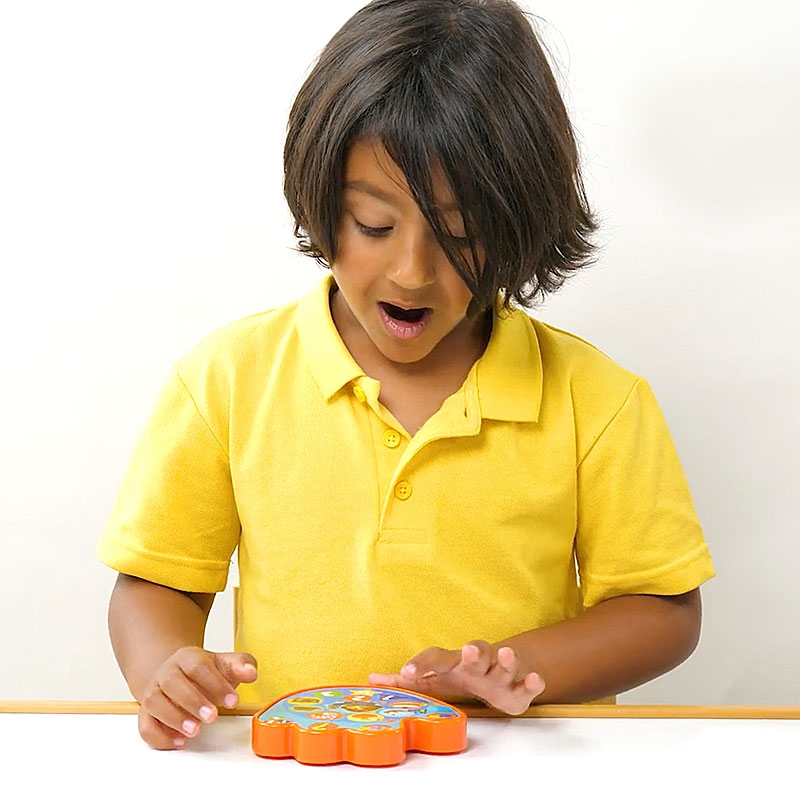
(620, 752)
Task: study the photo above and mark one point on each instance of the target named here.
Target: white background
(141, 207)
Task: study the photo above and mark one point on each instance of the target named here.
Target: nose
(414, 264)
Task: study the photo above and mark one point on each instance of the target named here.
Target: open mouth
(404, 314)
(404, 323)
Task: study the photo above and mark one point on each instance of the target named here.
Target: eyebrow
(368, 188)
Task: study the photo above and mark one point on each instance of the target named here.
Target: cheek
(460, 296)
(352, 256)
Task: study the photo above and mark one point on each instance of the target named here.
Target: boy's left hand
(475, 671)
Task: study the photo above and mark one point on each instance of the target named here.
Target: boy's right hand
(186, 690)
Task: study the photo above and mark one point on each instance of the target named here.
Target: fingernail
(409, 671)
(230, 701)
(179, 741)
(206, 714)
(190, 726)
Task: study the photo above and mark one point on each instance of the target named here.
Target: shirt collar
(329, 360)
(508, 374)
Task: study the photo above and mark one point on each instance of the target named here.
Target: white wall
(141, 207)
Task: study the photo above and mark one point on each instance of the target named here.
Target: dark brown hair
(463, 84)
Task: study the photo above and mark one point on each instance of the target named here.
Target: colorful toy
(366, 725)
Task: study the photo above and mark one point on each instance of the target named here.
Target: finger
(477, 657)
(513, 698)
(508, 669)
(384, 679)
(431, 685)
(200, 668)
(534, 684)
(523, 693)
(161, 707)
(499, 676)
(185, 695)
(237, 668)
(507, 661)
(430, 663)
(157, 735)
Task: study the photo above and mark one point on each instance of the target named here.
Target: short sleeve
(175, 520)
(638, 531)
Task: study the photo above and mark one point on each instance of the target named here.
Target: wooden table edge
(588, 711)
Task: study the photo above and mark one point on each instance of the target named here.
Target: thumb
(236, 667)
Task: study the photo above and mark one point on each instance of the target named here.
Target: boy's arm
(610, 648)
(157, 636)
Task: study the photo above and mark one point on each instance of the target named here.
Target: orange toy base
(370, 726)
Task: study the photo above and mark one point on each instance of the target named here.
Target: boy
(427, 488)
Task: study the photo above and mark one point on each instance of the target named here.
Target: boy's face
(399, 296)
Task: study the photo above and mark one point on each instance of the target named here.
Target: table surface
(618, 755)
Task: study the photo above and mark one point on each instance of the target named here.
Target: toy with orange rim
(364, 725)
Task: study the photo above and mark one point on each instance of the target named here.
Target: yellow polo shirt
(546, 484)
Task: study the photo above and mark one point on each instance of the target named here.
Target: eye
(375, 233)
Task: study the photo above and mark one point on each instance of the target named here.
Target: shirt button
(360, 394)
(391, 438)
(403, 490)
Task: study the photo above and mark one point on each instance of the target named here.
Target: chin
(404, 355)
(405, 358)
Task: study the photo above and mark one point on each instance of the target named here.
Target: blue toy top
(368, 709)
